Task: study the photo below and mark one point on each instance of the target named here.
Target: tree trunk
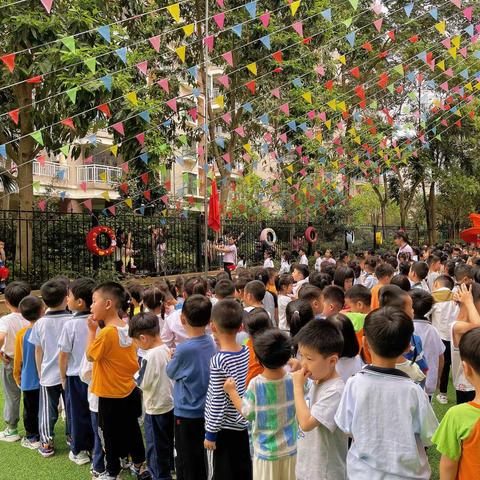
(432, 205)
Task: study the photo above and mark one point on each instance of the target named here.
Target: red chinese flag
(214, 209)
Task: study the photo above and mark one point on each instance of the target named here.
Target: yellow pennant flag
(477, 86)
(103, 176)
(114, 150)
(219, 101)
(453, 52)
(307, 96)
(132, 98)
(188, 29)
(128, 202)
(252, 67)
(342, 59)
(290, 168)
(352, 131)
(458, 113)
(248, 147)
(174, 11)
(180, 51)
(319, 137)
(328, 124)
(441, 26)
(469, 86)
(342, 106)
(304, 190)
(441, 65)
(294, 7)
(356, 158)
(357, 140)
(332, 104)
(289, 180)
(106, 196)
(456, 41)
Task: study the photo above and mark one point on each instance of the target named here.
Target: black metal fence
(41, 245)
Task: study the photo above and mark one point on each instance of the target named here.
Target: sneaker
(141, 472)
(46, 450)
(106, 476)
(96, 475)
(31, 444)
(81, 458)
(9, 435)
(125, 464)
(442, 398)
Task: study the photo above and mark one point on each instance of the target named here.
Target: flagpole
(206, 135)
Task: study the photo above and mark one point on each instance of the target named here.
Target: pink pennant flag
(219, 19)
(309, 134)
(220, 3)
(200, 150)
(155, 43)
(444, 86)
(468, 13)
(112, 209)
(320, 70)
(283, 137)
(228, 58)
(227, 118)
(226, 157)
(164, 199)
(41, 205)
(118, 127)
(209, 41)
(265, 19)
(322, 116)
(276, 92)
(449, 72)
(224, 80)
(298, 27)
(140, 139)
(240, 131)
(378, 24)
(463, 52)
(298, 149)
(444, 122)
(193, 113)
(88, 204)
(268, 137)
(311, 114)
(143, 67)
(377, 8)
(47, 5)
(172, 103)
(446, 42)
(284, 108)
(246, 157)
(88, 160)
(457, 3)
(164, 84)
(83, 186)
(125, 167)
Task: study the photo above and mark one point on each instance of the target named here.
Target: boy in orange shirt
(384, 274)
(115, 362)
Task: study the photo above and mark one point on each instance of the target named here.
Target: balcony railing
(51, 169)
(99, 174)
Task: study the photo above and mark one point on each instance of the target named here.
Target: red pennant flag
(355, 72)
(13, 114)
(83, 186)
(118, 127)
(228, 58)
(41, 160)
(125, 167)
(251, 86)
(88, 160)
(124, 188)
(144, 177)
(105, 110)
(147, 195)
(278, 57)
(193, 114)
(68, 122)
(214, 209)
(155, 42)
(164, 84)
(140, 139)
(88, 205)
(391, 35)
(9, 61)
(382, 83)
(111, 209)
(413, 39)
(329, 85)
(367, 46)
(37, 79)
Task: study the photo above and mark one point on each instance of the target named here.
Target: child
(285, 262)
(153, 299)
(457, 437)
(401, 281)
(25, 371)
(384, 273)
(72, 343)
(358, 300)
(444, 313)
(242, 263)
(369, 280)
(224, 289)
(268, 263)
(190, 369)
(299, 313)
(303, 257)
(322, 447)
(45, 335)
(274, 427)
(300, 276)
(157, 394)
(433, 346)
(333, 301)
(285, 287)
(318, 260)
(313, 295)
(253, 296)
(114, 358)
(226, 435)
(417, 275)
(434, 263)
(387, 415)
(10, 325)
(270, 299)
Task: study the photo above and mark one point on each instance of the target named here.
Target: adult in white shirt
(303, 257)
(401, 241)
(229, 254)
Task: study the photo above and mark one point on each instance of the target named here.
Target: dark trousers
(159, 440)
(231, 457)
(225, 267)
(447, 355)
(31, 400)
(48, 412)
(78, 414)
(98, 457)
(189, 437)
(464, 397)
(118, 423)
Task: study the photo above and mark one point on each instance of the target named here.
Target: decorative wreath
(4, 272)
(92, 238)
(268, 236)
(311, 235)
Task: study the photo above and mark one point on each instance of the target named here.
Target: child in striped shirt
(226, 435)
(269, 404)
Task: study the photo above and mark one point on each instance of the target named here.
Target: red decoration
(4, 272)
(92, 237)
(214, 209)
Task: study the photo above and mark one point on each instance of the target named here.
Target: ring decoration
(268, 236)
(311, 235)
(92, 238)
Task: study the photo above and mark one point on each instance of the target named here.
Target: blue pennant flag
(408, 9)
(61, 174)
(228, 166)
(292, 125)
(465, 73)
(266, 41)
(411, 77)
(92, 139)
(122, 53)
(63, 195)
(107, 81)
(145, 116)
(434, 13)
(422, 56)
(252, 9)
(297, 82)
(3, 151)
(144, 158)
(105, 212)
(264, 118)
(237, 30)
(303, 127)
(289, 146)
(327, 14)
(470, 30)
(196, 92)
(264, 148)
(142, 210)
(104, 31)
(193, 71)
(180, 161)
(248, 107)
(220, 141)
(350, 37)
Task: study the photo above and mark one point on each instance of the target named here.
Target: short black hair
(463, 270)
(327, 268)
(135, 290)
(273, 348)
(224, 289)
(469, 347)
(113, 291)
(388, 331)
(450, 268)
(284, 280)
(227, 315)
(320, 280)
(144, 323)
(82, 289)
(298, 313)
(30, 308)
(222, 276)
(15, 292)
(401, 281)
(54, 293)
(350, 340)
(371, 262)
(422, 302)
(153, 297)
(240, 283)
(342, 274)
(262, 275)
(392, 296)
(433, 259)
(256, 288)
(196, 285)
(359, 293)
(420, 269)
(404, 268)
(384, 270)
(256, 321)
(334, 294)
(309, 292)
(197, 310)
(392, 261)
(303, 269)
(445, 281)
(322, 336)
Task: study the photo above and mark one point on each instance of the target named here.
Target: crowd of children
(321, 373)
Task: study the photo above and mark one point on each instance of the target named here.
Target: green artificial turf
(20, 463)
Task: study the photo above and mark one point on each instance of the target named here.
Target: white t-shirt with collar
(10, 325)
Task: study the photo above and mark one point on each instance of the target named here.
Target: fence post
(198, 243)
(95, 258)
(374, 237)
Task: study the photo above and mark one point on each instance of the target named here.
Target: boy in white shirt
(303, 260)
(318, 260)
(10, 325)
(157, 394)
(268, 263)
(388, 416)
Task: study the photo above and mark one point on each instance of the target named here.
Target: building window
(190, 183)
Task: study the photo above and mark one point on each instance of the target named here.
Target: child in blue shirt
(190, 368)
(72, 344)
(25, 370)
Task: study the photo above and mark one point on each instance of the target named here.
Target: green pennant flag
(348, 22)
(65, 149)
(399, 69)
(183, 139)
(91, 63)
(354, 4)
(412, 96)
(69, 42)
(36, 185)
(438, 137)
(72, 94)
(391, 87)
(37, 136)
(374, 105)
(163, 171)
(423, 124)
